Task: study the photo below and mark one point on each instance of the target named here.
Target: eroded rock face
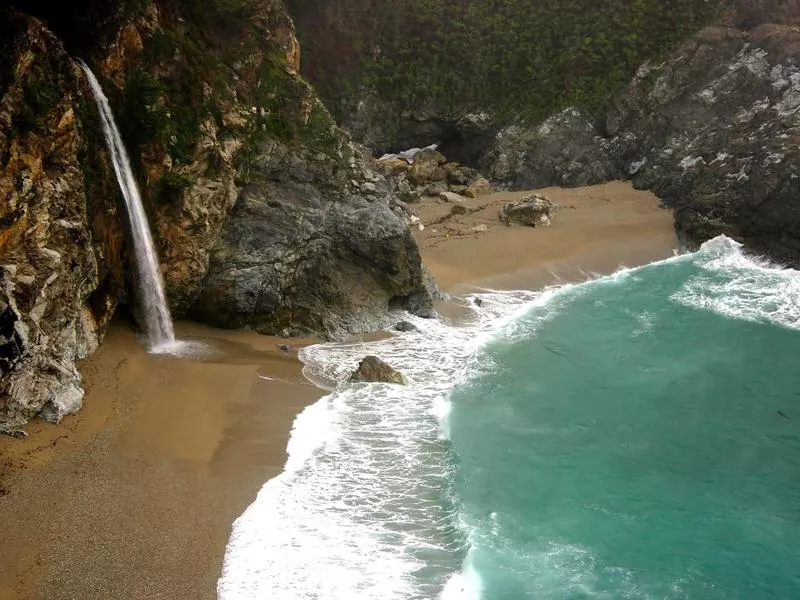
(715, 132)
(60, 256)
(301, 255)
(566, 150)
(534, 210)
(373, 370)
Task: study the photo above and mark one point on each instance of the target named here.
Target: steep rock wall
(60, 254)
(713, 130)
(265, 214)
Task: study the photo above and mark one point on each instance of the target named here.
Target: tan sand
(597, 230)
(134, 497)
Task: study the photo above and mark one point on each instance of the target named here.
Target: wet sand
(134, 497)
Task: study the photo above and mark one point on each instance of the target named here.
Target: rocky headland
(265, 214)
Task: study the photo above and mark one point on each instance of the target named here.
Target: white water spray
(158, 321)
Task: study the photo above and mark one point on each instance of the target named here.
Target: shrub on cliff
(511, 57)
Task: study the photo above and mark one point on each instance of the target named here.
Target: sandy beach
(134, 497)
(597, 230)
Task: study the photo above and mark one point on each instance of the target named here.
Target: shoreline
(134, 496)
(148, 478)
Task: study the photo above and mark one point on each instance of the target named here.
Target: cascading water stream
(158, 322)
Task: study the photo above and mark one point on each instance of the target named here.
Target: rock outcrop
(300, 254)
(60, 251)
(427, 172)
(534, 210)
(373, 370)
(565, 150)
(265, 214)
(715, 132)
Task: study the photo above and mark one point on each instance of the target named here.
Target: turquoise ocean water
(636, 436)
(625, 440)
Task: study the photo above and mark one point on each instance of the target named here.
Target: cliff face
(61, 273)
(406, 73)
(264, 213)
(713, 130)
(715, 133)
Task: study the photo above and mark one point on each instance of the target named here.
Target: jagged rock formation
(265, 214)
(713, 130)
(430, 174)
(567, 150)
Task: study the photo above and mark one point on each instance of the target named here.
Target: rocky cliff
(713, 130)
(265, 214)
(61, 247)
(405, 73)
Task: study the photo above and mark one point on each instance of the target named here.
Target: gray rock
(405, 326)
(451, 197)
(462, 176)
(715, 132)
(435, 189)
(533, 211)
(301, 257)
(373, 370)
(566, 150)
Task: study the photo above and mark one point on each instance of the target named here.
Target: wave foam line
(736, 285)
(364, 507)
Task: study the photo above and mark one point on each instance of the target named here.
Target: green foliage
(515, 57)
(319, 133)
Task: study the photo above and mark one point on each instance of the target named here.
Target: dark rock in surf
(405, 326)
(373, 370)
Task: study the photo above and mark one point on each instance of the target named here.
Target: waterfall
(158, 322)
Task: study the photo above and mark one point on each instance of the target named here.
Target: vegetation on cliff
(517, 57)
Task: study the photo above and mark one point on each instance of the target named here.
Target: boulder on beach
(451, 197)
(372, 369)
(534, 210)
(479, 187)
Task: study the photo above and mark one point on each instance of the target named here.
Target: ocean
(633, 436)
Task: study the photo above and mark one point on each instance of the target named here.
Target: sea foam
(364, 507)
(741, 286)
